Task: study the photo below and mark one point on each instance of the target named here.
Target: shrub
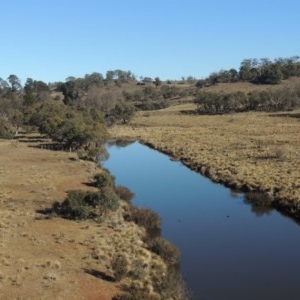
(74, 206)
(5, 133)
(108, 200)
(124, 193)
(258, 198)
(166, 250)
(171, 286)
(91, 154)
(103, 179)
(145, 217)
(84, 205)
(119, 265)
(138, 270)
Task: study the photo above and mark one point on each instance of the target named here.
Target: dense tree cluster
(73, 113)
(259, 71)
(281, 99)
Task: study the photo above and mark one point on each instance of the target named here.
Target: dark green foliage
(124, 193)
(75, 128)
(15, 83)
(281, 99)
(74, 206)
(166, 250)
(90, 154)
(157, 81)
(107, 201)
(84, 205)
(71, 91)
(35, 91)
(123, 111)
(119, 266)
(103, 179)
(258, 71)
(5, 131)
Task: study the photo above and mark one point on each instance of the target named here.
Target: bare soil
(46, 258)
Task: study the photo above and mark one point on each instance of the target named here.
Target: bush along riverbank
(132, 255)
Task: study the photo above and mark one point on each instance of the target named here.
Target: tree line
(74, 113)
(281, 99)
(70, 111)
(258, 71)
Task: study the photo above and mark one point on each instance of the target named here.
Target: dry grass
(56, 258)
(246, 150)
(247, 87)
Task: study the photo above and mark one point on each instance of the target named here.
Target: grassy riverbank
(56, 258)
(254, 151)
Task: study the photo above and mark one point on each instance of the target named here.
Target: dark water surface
(229, 251)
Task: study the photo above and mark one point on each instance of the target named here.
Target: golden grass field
(56, 258)
(249, 151)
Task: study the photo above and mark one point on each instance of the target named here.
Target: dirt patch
(45, 259)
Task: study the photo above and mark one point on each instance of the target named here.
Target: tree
(4, 86)
(70, 90)
(35, 91)
(94, 79)
(103, 99)
(157, 81)
(247, 70)
(147, 80)
(15, 83)
(123, 111)
(270, 75)
(109, 76)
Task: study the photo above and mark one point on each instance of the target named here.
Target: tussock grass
(253, 151)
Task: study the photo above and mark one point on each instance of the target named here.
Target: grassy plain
(252, 151)
(55, 258)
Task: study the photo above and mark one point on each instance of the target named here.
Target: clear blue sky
(50, 40)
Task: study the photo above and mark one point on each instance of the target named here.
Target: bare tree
(103, 99)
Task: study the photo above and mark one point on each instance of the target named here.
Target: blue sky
(51, 40)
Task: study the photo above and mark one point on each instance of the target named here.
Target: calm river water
(229, 250)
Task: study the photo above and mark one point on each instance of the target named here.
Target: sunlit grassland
(253, 151)
(50, 253)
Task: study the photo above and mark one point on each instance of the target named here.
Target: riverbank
(56, 258)
(253, 152)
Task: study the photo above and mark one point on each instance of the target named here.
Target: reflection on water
(229, 250)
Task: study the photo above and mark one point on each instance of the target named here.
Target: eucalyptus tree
(15, 82)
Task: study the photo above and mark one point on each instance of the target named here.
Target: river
(229, 249)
